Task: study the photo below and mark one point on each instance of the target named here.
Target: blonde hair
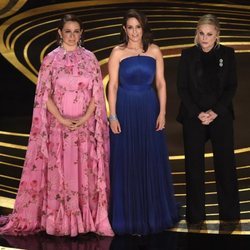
(208, 19)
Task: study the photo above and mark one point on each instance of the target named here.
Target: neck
(69, 48)
(206, 49)
(135, 46)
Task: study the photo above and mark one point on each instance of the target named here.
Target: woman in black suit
(206, 85)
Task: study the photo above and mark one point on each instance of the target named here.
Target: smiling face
(207, 35)
(70, 34)
(133, 30)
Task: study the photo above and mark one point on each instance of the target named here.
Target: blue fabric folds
(142, 199)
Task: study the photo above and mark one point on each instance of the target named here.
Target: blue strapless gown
(142, 200)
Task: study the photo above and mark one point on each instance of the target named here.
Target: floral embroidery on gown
(64, 188)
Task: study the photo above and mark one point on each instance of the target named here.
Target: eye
(201, 33)
(209, 34)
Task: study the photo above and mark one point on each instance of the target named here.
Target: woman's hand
(207, 117)
(115, 126)
(72, 124)
(204, 118)
(212, 116)
(160, 122)
(67, 123)
(78, 123)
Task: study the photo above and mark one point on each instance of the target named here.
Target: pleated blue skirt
(142, 196)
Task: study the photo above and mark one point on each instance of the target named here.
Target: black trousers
(195, 135)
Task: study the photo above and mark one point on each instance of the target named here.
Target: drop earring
(61, 42)
(126, 38)
(79, 43)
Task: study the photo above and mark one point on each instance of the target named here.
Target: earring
(61, 41)
(79, 43)
(126, 38)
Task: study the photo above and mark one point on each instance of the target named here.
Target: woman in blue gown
(142, 198)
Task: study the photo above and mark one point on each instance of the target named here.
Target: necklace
(137, 51)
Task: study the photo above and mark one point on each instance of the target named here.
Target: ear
(60, 33)
(124, 28)
(196, 37)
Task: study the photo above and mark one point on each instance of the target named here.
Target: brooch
(221, 62)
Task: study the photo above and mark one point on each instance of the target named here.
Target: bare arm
(87, 115)
(72, 124)
(55, 112)
(53, 109)
(113, 67)
(161, 88)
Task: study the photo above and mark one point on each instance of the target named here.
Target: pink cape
(64, 188)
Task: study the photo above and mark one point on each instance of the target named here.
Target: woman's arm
(160, 86)
(229, 90)
(183, 85)
(55, 112)
(87, 115)
(113, 67)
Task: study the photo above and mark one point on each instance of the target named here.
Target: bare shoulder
(154, 47)
(154, 50)
(117, 52)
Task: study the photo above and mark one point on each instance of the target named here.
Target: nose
(204, 37)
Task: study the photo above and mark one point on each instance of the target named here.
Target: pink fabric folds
(64, 188)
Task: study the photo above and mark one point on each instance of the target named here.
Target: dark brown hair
(69, 18)
(147, 37)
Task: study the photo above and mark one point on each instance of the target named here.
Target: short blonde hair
(208, 19)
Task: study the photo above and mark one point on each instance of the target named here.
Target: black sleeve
(183, 87)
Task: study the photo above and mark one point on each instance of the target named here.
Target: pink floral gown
(64, 188)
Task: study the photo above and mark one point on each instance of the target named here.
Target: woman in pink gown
(64, 188)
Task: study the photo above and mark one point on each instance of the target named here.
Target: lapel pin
(221, 62)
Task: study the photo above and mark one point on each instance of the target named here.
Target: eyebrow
(209, 32)
(137, 25)
(73, 30)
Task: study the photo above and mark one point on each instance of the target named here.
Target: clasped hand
(71, 123)
(207, 117)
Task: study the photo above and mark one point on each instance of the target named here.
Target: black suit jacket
(189, 78)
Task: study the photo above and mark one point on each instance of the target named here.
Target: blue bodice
(137, 72)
